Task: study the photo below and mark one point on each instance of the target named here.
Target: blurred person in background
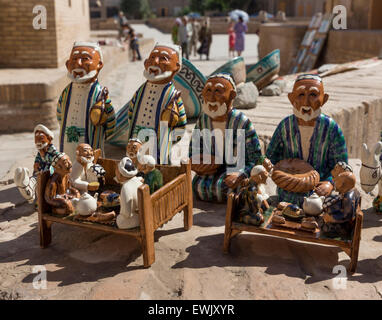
(205, 38)
(194, 39)
(174, 31)
(231, 41)
(240, 30)
(184, 36)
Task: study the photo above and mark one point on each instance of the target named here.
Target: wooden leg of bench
(228, 224)
(148, 251)
(188, 219)
(356, 241)
(45, 233)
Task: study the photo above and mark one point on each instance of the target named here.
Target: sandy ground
(84, 264)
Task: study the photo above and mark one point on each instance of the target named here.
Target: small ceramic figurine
(86, 175)
(308, 135)
(253, 197)
(154, 102)
(126, 175)
(370, 174)
(84, 109)
(341, 206)
(43, 138)
(132, 150)
(212, 181)
(58, 192)
(153, 177)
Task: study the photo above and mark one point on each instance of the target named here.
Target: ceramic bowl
(235, 67)
(190, 81)
(265, 71)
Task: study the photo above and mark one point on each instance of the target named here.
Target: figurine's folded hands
(202, 168)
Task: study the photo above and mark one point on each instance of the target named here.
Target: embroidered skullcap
(174, 47)
(126, 168)
(147, 159)
(226, 76)
(135, 140)
(57, 157)
(41, 127)
(257, 169)
(345, 166)
(94, 45)
(309, 77)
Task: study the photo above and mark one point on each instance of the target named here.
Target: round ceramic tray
(235, 67)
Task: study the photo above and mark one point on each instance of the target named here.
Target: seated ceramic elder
(58, 192)
(86, 175)
(126, 175)
(252, 197)
(214, 180)
(341, 206)
(153, 177)
(308, 135)
(43, 138)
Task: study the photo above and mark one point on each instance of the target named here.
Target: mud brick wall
(24, 47)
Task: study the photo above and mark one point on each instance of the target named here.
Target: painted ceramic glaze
(262, 72)
(190, 81)
(235, 67)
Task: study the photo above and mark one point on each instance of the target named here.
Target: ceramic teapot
(86, 205)
(313, 205)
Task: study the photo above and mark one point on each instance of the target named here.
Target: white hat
(126, 168)
(309, 77)
(257, 169)
(176, 48)
(94, 45)
(41, 127)
(226, 76)
(148, 160)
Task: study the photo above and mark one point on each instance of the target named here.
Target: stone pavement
(84, 264)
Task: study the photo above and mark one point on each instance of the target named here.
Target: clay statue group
(306, 158)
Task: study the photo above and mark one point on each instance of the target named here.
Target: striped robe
(212, 187)
(327, 147)
(94, 135)
(127, 117)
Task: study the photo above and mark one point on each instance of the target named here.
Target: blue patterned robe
(127, 116)
(94, 135)
(327, 147)
(212, 187)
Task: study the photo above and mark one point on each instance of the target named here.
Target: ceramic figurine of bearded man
(308, 135)
(84, 109)
(155, 102)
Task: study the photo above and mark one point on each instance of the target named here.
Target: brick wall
(24, 47)
(72, 24)
(21, 45)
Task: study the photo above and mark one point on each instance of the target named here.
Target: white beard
(159, 77)
(86, 160)
(305, 116)
(221, 111)
(40, 145)
(84, 78)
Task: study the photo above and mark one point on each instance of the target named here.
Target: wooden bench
(154, 210)
(232, 228)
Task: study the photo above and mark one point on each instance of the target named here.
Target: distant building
(168, 8)
(103, 9)
(292, 8)
(24, 46)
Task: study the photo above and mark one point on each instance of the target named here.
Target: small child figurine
(58, 191)
(340, 207)
(153, 177)
(132, 150)
(253, 197)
